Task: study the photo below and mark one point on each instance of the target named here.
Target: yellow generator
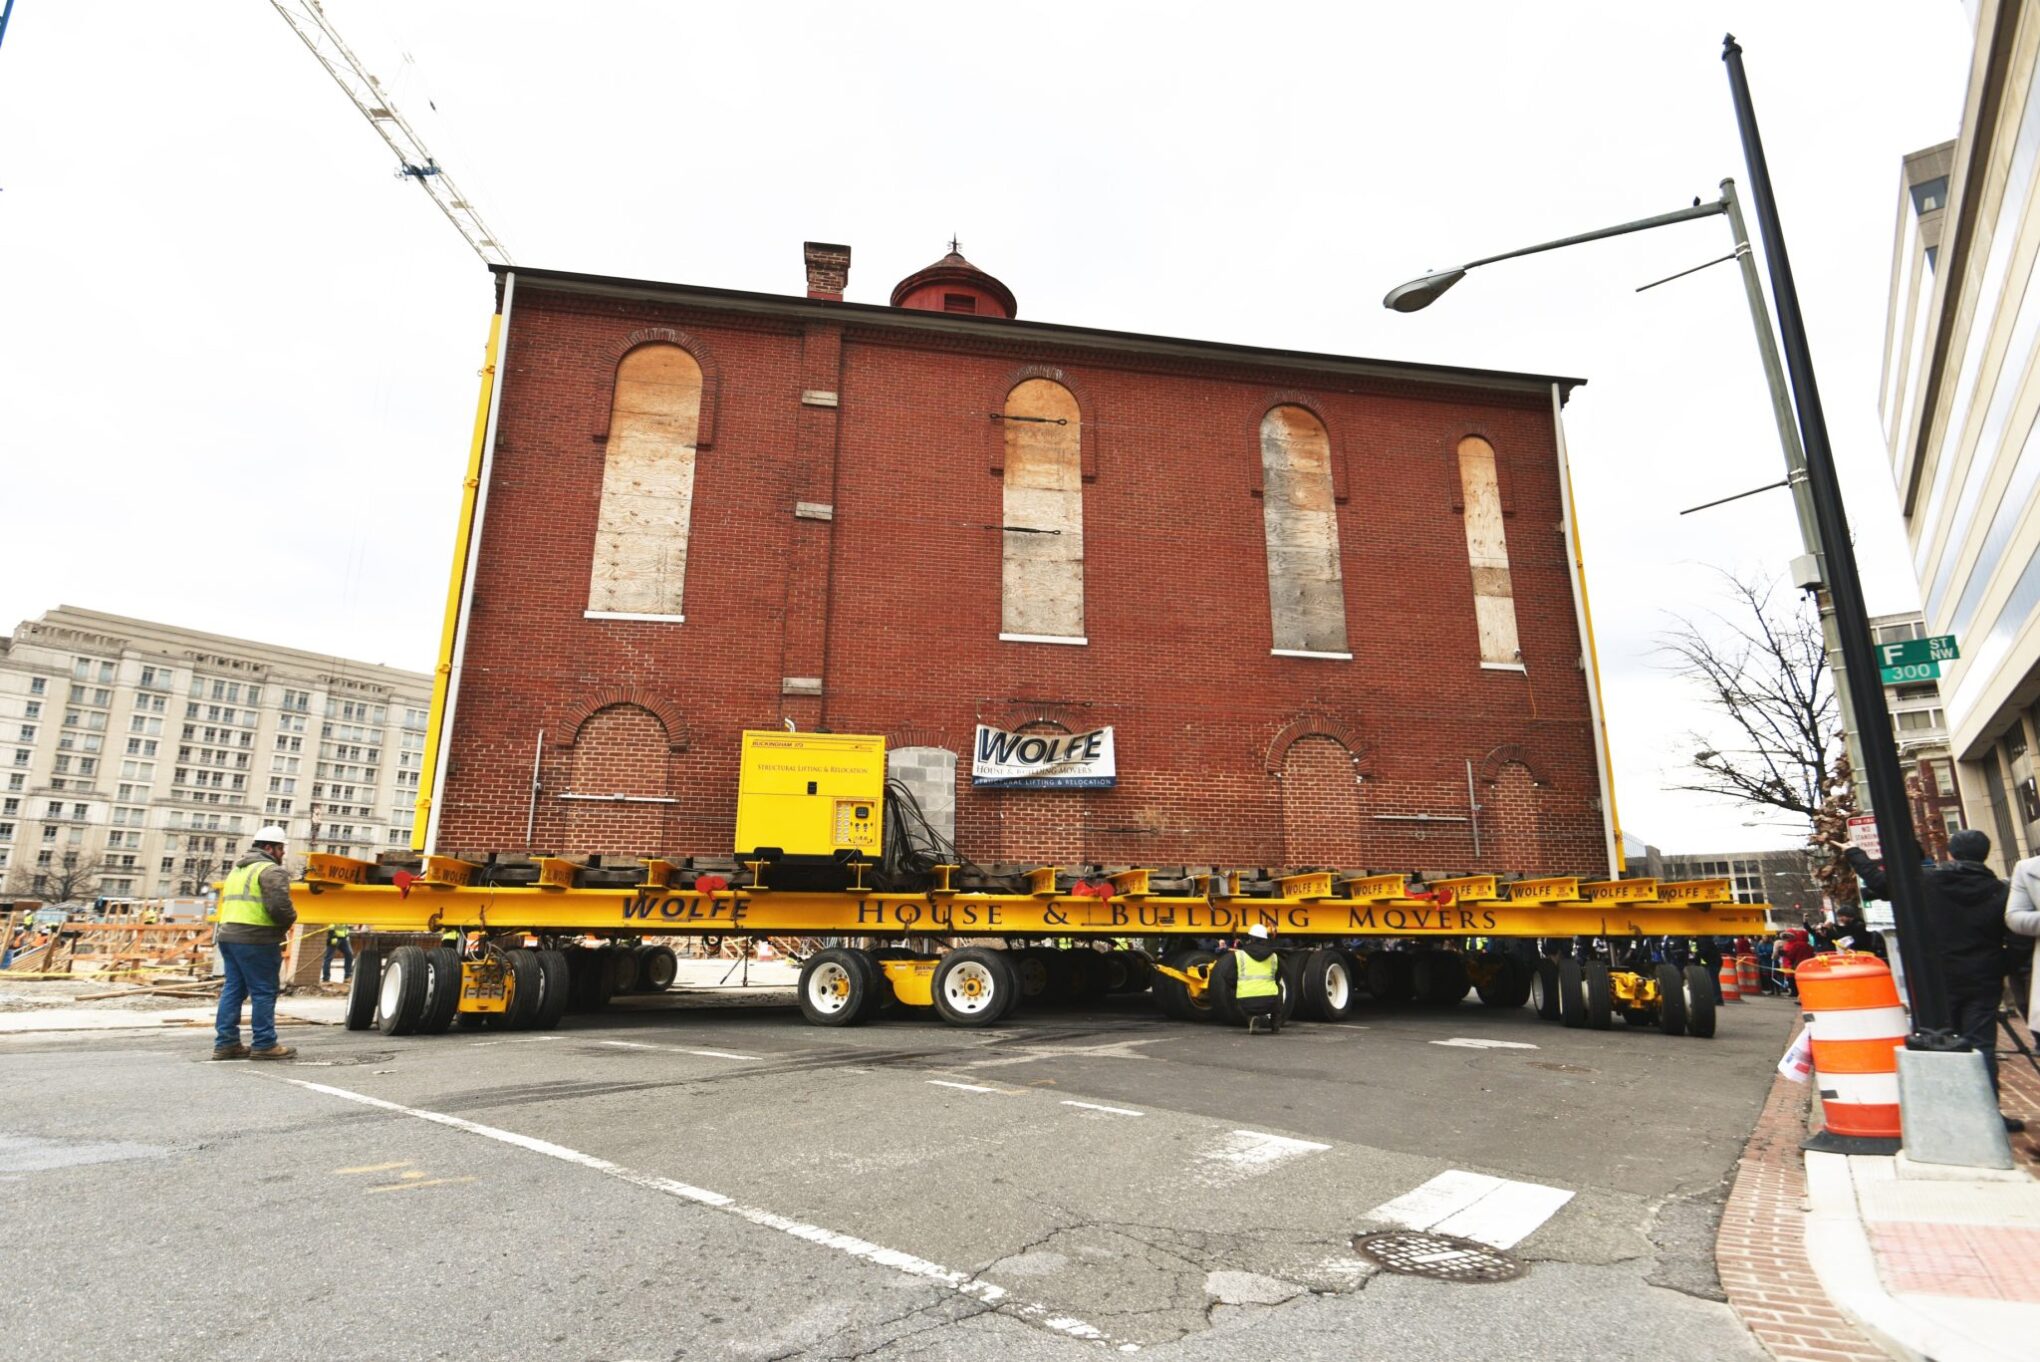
(811, 798)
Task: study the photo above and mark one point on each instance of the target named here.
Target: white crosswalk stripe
(1249, 1153)
(1491, 1210)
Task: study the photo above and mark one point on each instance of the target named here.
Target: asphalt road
(669, 1182)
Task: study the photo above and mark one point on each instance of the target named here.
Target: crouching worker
(1257, 987)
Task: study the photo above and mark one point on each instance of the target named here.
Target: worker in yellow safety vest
(1257, 986)
(255, 918)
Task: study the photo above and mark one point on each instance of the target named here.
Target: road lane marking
(1250, 1153)
(963, 1283)
(1494, 1211)
(1470, 1043)
(1094, 1106)
(676, 1049)
(422, 1182)
(960, 1087)
(375, 1167)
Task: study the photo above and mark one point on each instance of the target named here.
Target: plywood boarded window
(647, 484)
(1487, 550)
(1043, 588)
(1306, 595)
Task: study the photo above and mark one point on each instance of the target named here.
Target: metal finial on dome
(954, 248)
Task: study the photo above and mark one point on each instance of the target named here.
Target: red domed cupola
(953, 284)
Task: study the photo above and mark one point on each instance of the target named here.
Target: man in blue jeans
(255, 918)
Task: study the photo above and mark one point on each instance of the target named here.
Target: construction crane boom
(307, 19)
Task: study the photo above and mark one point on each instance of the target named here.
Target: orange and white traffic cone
(1731, 990)
(1858, 1027)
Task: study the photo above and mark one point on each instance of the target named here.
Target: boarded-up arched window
(1487, 550)
(1042, 593)
(647, 485)
(1305, 593)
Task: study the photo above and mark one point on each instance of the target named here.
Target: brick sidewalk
(1761, 1247)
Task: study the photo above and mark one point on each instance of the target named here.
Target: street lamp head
(1421, 293)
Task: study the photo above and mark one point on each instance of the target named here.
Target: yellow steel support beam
(449, 872)
(1130, 884)
(1378, 888)
(325, 868)
(1315, 885)
(1466, 889)
(1620, 891)
(1695, 891)
(556, 874)
(653, 910)
(1555, 889)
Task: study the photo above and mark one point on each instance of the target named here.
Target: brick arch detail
(1449, 457)
(669, 718)
(1319, 724)
(711, 377)
(1028, 713)
(921, 735)
(1288, 397)
(1508, 754)
(1087, 424)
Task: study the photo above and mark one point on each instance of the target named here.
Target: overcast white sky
(238, 358)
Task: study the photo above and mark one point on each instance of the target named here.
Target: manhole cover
(1445, 1257)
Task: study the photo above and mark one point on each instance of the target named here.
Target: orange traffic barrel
(1858, 1027)
(1731, 990)
(1746, 977)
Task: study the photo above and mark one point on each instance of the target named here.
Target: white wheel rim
(1537, 991)
(829, 988)
(1338, 987)
(392, 989)
(971, 989)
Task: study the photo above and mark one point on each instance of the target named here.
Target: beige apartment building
(136, 759)
(1961, 407)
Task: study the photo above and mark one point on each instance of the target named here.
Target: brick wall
(894, 603)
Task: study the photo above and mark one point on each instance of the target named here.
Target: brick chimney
(828, 269)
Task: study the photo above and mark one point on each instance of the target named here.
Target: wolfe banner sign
(1043, 761)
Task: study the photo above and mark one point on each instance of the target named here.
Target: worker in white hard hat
(255, 919)
(1257, 985)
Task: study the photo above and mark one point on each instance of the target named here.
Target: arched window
(1487, 551)
(1042, 596)
(1306, 595)
(647, 486)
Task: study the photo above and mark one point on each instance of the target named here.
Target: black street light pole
(1882, 775)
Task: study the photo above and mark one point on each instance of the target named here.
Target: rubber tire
(1041, 973)
(1390, 977)
(362, 990)
(1572, 994)
(442, 993)
(1001, 980)
(658, 967)
(881, 998)
(625, 966)
(1600, 995)
(1089, 977)
(592, 981)
(556, 988)
(405, 992)
(1510, 984)
(1327, 990)
(527, 990)
(1140, 972)
(1175, 996)
(1225, 983)
(1544, 988)
(857, 973)
(1004, 960)
(1671, 987)
(1700, 1004)
(1439, 978)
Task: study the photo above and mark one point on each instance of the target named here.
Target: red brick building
(1326, 604)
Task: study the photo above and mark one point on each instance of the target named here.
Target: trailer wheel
(1544, 994)
(1140, 972)
(1041, 971)
(362, 990)
(527, 990)
(1509, 981)
(1175, 995)
(1089, 976)
(1390, 978)
(1223, 994)
(1572, 993)
(555, 990)
(1699, 1002)
(1671, 987)
(880, 999)
(972, 987)
(400, 1003)
(835, 986)
(1327, 989)
(1600, 995)
(1439, 978)
(592, 979)
(658, 967)
(442, 990)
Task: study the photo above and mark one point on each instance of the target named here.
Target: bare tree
(1764, 670)
(73, 878)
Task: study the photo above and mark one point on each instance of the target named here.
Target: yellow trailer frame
(1319, 904)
